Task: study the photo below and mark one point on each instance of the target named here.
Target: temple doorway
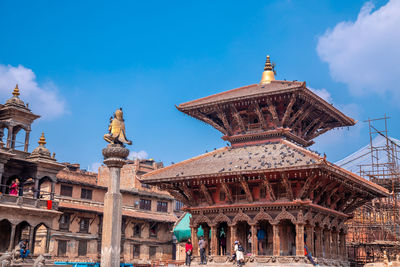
(264, 238)
(5, 235)
(287, 236)
(222, 235)
(243, 234)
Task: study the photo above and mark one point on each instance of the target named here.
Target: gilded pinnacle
(269, 73)
(16, 90)
(42, 140)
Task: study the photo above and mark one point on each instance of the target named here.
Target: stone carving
(5, 259)
(40, 261)
(241, 217)
(221, 218)
(284, 215)
(263, 216)
(201, 219)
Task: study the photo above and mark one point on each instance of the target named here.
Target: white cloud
(323, 93)
(364, 54)
(138, 155)
(43, 99)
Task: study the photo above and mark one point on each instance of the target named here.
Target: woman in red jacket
(188, 250)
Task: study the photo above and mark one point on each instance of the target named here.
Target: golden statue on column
(116, 129)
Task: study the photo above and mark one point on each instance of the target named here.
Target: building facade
(266, 189)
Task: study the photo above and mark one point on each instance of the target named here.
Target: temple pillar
(53, 189)
(14, 136)
(26, 145)
(327, 243)
(254, 241)
(343, 248)
(233, 237)
(335, 245)
(48, 235)
(310, 239)
(318, 242)
(275, 240)
(9, 136)
(195, 242)
(12, 237)
(300, 239)
(36, 191)
(214, 240)
(31, 230)
(206, 233)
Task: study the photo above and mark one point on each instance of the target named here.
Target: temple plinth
(267, 190)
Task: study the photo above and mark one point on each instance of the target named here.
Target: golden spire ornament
(269, 72)
(16, 90)
(42, 140)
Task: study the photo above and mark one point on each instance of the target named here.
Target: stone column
(276, 240)
(299, 239)
(343, 248)
(254, 245)
(114, 157)
(2, 179)
(214, 240)
(233, 237)
(310, 239)
(31, 230)
(26, 141)
(335, 245)
(318, 244)
(12, 237)
(48, 235)
(9, 136)
(327, 244)
(195, 242)
(53, 189)
(36, 192)
(14, 136)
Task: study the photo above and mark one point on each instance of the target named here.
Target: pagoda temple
(266, 189)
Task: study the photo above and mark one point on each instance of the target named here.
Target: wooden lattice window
(66, 190)
(152, 252)
(86, 193)
(136, 251)
(64, 222)
(82, 248)
(153, 229)
(137, 230)
(62, 248)
(145, 204)
(162, 206)
(84, 225)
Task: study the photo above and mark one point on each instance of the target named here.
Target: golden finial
(16, 90)
(42, 140)
(269, 72)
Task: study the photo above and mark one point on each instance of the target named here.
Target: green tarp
(182, 230)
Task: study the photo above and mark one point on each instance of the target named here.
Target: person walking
(202, 247)
(14, 188)
(307, 252)
(188, 250)
(239, 253)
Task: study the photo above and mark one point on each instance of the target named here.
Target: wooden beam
(288, 187)
(334, 203)
(288, 109)
(260, 115)
(312, 190)
(344, 202)
(350, 208)
(316, 133)
(272, 110)
(206, 119)
(304, 190)
(302, 116)
(227, 191)
(327, 188)
(179, 196)
(309, 126)
(238, 118)
(246, 189)
(222, 116)
(188, 192)
(207, 194)
(269, 189)
(296, 115)
(329, 196)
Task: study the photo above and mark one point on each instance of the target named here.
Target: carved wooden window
(136, 251)
(64, 222)
(145, 204)
(162, 206)
(82, 248)
(152, 252)
(153, 229)
(62, 247)
(86, 193)
(178, 205)
(137, 230)
(263, 192)
(66, 191)
(84, 225)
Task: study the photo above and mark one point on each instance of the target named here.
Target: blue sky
(78, 61)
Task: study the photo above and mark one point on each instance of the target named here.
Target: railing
(28, 202)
